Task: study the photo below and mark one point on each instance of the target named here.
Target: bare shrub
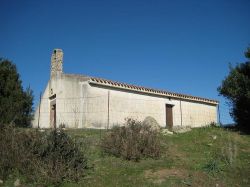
(48, 158)
(132, 141)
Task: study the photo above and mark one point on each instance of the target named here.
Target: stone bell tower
(56, 62)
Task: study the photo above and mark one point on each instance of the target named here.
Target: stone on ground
(150, 121)
(165, 132)
(17, 183)
(181, 129)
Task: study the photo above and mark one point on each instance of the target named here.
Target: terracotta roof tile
(150, 90)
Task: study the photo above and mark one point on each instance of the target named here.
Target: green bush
(41, 157)
(236, 88)
(15, 102)
(132, 141)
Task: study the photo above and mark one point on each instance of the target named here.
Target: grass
(202, 157)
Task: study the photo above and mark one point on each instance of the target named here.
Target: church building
(81, 101)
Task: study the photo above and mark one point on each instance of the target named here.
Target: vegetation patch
(236, 88)
(41, 157)
(181, 163)
(161, 175)
(15, 102)
(132, 141)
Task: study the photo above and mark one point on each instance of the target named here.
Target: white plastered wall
(69, 101)
(81, 105)
(65, 92)
(44, 114)
(122, 104)
(196, 114)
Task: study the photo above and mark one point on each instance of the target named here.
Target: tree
(15, 103)
(236, 88)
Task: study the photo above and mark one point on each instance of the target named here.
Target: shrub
(132, 141)
(48, 158)
(212, 167)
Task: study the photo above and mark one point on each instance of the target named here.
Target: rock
(150, 121)
(181, 129)
(166, 132)
(1, 181)
(41, 130)
(17, 183)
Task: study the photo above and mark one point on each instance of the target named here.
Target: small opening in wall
(53, 96)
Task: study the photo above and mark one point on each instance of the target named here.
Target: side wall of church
(197, 114)
(105, 107)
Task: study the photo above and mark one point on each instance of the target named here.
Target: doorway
(53, 116)
(169, 116)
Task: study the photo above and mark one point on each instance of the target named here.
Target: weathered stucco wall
(64, 91)
(123, 104)
(69, 100)
(198, 114)
(83, 105)
(44, 111)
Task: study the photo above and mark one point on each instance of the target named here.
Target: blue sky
(181, 46)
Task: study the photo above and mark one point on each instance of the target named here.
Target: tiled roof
(120, 85)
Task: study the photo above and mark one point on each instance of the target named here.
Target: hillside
(208, 156)
(202, 157)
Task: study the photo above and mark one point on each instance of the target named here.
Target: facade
(79, 101)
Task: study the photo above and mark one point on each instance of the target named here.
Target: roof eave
(154, 92)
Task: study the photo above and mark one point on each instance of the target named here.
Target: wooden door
(169, 116)
(53, 116)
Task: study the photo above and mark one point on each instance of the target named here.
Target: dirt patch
(202, 179)
(161, 175)
(195, 178)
